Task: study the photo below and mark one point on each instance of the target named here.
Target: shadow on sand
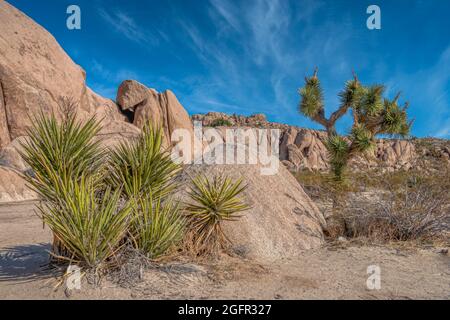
(26, 263)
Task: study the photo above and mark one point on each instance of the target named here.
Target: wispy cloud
(227, 12)
(255, 55)
(124, 24)
(251, 56)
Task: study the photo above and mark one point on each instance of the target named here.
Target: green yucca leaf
(157, 225)
(212, 202)
(395, 120)
(338, 150)
(311, 97)
(60, 152)
(351, 94)
(337, 147)
(89, 225)
(372, 101)
(362, 139)
(142, 166)
(67, 172)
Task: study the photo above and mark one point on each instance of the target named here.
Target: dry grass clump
(399, 206)
(419, 212)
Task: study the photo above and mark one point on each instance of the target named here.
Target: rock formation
(36, 73)
(145, 104)
(304, 149)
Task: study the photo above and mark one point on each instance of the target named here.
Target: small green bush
(221, 123)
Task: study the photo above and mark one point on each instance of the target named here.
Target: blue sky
(251, 56)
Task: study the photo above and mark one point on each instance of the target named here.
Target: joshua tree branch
(355, 118)
(320, 118)
(338, 114)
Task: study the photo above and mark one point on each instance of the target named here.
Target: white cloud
(257, 57)
(127, 26)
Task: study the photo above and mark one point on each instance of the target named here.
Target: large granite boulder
(35, 74)
(282, 220)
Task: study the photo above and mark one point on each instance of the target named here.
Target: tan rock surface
(10, 156)
(13, 188)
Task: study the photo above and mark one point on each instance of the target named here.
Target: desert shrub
(399, 206)
(391, 206)
(143, 166)
(213, 201)
(157, 226)
(221, 123)
(418, 210)
(90, 224)
(146, 172)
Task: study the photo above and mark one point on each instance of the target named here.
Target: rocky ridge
(304, 149)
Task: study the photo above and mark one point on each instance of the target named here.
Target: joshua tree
(372, 115)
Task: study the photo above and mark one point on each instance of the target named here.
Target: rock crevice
(5, 137)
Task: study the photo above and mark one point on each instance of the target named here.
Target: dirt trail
(326, 273)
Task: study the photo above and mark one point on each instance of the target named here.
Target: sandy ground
(327, 273)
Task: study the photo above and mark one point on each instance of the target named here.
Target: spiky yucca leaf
(142, 166)
(60, 153)
(213, 201)
(338, 150)
(362, 139)
(337, 147)
(157, 225)
(89, 225)
(395, 120)
(312, 97)
(351, 93)
(372, 101)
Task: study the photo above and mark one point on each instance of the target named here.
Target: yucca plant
(60, 153)
(156, 226)
(143, 166)
(90, 224)
(372, 115)
(213, 202)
